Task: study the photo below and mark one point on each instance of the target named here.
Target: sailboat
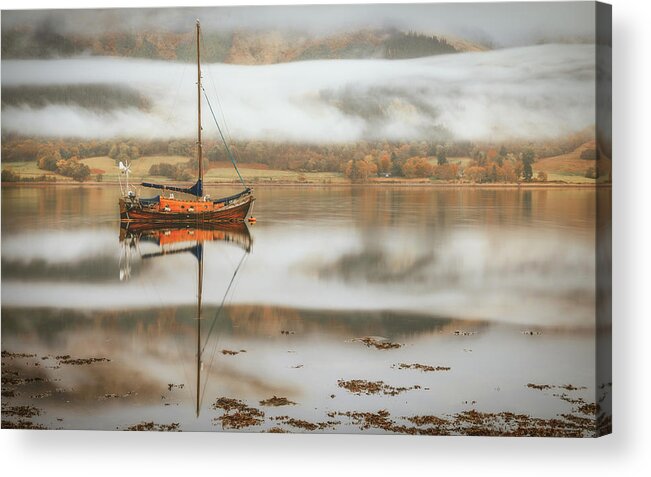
(178, 240)
(197, 210)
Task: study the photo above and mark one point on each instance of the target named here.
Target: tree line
(484, 167)
(508, 162)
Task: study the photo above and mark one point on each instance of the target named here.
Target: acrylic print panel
(369, 219)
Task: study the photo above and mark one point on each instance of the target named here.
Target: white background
(626, 452)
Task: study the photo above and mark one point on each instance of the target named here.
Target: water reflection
(456, 277)
(179, 239)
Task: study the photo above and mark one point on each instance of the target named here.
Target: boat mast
(200, 265)
(199, 152)
(199, 293)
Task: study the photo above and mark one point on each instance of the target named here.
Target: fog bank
(533, 92)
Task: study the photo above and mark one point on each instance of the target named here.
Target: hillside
(574, 164)
(236, 47)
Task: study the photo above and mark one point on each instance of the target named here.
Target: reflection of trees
(418, 207)
(376, 266)
(404, 232)
(526, 204)
(378, 206)
(150, 348)
(151, 332)
(49, 206)
(268, 321)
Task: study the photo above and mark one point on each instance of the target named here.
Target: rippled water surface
(441, 302)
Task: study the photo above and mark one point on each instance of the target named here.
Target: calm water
(497, 285)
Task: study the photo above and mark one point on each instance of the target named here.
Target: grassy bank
(561, 171)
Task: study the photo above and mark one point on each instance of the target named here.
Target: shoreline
(522, 185)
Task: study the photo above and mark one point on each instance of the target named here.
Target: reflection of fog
(530, 92)
(514, 256)
(507, 274)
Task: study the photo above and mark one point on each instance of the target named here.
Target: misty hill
(95, 97)
(236, 47)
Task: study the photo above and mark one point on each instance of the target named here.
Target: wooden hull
(236, 212)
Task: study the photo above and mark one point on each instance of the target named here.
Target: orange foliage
(360, 169)
(446, 172)
(491, 154)
(492, 172)
(417, 167)
(384, 164)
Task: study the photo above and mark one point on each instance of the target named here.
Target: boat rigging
(200, 209)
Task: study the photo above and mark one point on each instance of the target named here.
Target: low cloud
(533, 92)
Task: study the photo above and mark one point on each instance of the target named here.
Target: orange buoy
(252, 220)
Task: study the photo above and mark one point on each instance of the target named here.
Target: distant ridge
(236, 47)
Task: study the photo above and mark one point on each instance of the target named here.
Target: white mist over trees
(530, 92)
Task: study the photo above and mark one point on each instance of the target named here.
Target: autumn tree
(517, 170)
(73, 168)
(446, 172)
(359, 170)
(475, 174)
(47, 159)
(384, 163)
(417, 167)
(507, 173)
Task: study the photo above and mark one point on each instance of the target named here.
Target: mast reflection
(175, 239)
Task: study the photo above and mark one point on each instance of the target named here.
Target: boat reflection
(167, 234)
(183, 239)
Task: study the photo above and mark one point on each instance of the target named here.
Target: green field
(460, 161)
(566, 178)
(140, 171)
(139, 167)
(269, 175)
(30, 169)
